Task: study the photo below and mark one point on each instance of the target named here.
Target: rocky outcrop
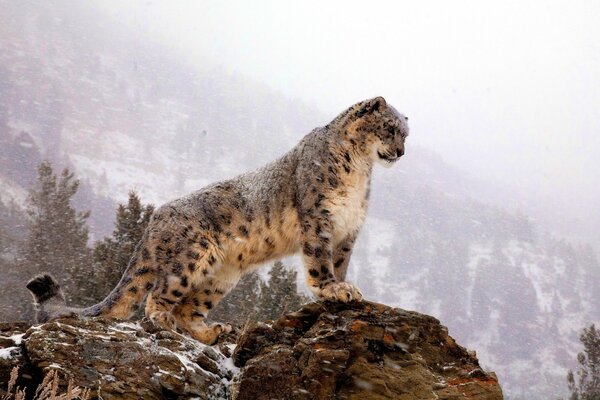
(121, 360)
(323, 351)
(357, 351)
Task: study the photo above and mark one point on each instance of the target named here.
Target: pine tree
(112, 255)
(587, 387)
(253, 299)
(240, 305)
(280, 294)
(57, 235)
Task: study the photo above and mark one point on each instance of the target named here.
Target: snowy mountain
(126, 114)
(123, 113)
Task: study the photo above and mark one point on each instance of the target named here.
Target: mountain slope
(125, 113)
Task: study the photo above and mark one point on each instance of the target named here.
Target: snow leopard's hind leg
(190, 314)
(179, 276)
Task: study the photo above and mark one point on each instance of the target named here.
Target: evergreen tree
(240, 305)
(112, 255)
(280, 294)
(587, 387)
(253, 299)
(57, 235)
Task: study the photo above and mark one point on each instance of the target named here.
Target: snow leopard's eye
(391, 131)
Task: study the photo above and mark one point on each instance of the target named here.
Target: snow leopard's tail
(48, 298)
(122, 302)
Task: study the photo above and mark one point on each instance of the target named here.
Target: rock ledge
(356, 351)
(323, 351)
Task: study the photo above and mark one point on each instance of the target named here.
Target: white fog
(507, 91)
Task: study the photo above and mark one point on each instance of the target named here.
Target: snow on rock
(127, 359)
(8, 352)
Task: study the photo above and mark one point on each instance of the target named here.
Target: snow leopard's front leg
(317, 252)
(341, 257)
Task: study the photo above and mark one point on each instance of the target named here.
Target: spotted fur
(312, 200)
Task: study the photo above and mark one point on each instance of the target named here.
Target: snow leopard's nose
(399, 152)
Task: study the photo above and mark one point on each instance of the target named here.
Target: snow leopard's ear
(371, 105)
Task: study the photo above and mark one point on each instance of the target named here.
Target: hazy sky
(507, 90)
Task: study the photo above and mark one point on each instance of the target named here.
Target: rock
(323, 351)
(121, 360)
(11, 353)
(356, 351)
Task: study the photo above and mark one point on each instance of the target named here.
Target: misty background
(490, 222)
(507, 91)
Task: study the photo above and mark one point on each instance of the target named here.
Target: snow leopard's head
(378, 130)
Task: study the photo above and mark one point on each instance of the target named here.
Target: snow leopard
(312, 200)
